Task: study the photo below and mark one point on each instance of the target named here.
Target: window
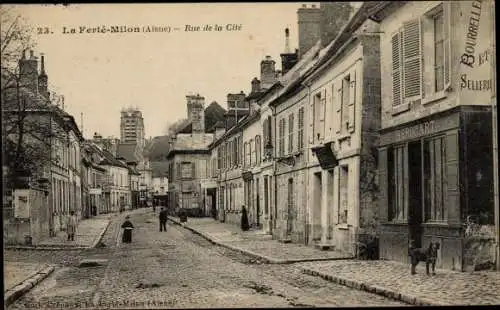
(281, 150)
(300, 130)
(290, 200)
(235, 151)
(434, 179)
(397, 169)
(230, 154)
(258, 150)
(319, 117)
(346, 86)
(187, 170)
(438, 51)
(251, 152)
(343, 194)
(219, 158)
(290, 133)
(406, 63)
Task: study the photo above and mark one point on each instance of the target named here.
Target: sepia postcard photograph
(249, 155)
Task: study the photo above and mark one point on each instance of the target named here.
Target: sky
(99, 74)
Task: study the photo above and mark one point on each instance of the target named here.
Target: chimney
(267, 72)
(288, 59)
(309, 28)
(28, 71)
(334, 16)
(255, 85)
(43, 79)
(196, 112)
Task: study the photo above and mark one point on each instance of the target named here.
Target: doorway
(415, 210)
(266, 199)
(257, 202)
(316, 216)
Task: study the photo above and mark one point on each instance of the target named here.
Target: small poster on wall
(21, 205)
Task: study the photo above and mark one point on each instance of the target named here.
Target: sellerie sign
(474, 81)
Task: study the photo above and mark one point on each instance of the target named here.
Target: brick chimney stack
(267, 72)
(255, 85)
(28, 72)
(334, 16)
(309, 19)
(288, 59)
(196, 112)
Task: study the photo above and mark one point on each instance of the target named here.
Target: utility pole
(495, 134)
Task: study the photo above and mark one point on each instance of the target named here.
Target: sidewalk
(21, 277)
(386, 278)
(393, 280)
(89, 233)
(255, 243)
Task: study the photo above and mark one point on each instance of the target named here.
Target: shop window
(434, 178)
(397, 167)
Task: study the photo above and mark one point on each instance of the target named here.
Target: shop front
(435, 173)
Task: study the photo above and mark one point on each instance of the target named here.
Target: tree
(172, 128)
(30, 120)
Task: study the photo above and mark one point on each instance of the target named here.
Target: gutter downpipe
(307, 157)
(495, 133)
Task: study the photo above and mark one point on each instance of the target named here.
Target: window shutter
(264, 131)
(269, 129)
(323, 114)
(311, 114)
(452, 177)
(397, 68)
(447, 44)
(352, 102)
(178, 170)
(338, 109)
(193, 172)
(412, 50)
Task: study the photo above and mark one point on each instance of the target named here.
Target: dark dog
(428, 256)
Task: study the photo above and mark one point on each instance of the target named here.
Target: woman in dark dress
(127, 230)
(244, 219)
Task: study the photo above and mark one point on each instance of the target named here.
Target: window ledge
(440, 224)
(402, 223)
(400, 108)
(343, 226)
(434, 97)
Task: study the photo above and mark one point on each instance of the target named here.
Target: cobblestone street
(179, 269)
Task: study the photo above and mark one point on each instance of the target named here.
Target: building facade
(188, 158)
(435, 163)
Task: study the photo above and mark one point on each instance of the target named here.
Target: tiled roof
(129, 151)
(160, 168)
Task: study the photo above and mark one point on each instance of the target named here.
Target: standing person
(71, 226)
(244, 219)
(127, 230)
(163, 219)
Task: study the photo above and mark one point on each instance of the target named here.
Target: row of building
(50, 170)
(378, 125)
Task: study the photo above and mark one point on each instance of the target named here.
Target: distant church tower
(132, 127)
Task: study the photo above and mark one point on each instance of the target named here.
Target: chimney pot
(304, 6)
(313, 6)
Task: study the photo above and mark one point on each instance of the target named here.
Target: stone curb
(264, 258)
(45, 248)
(99, 238)
(375, 289)
(19, 290)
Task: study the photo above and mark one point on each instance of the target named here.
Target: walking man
(163, 219)
(71, 226)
